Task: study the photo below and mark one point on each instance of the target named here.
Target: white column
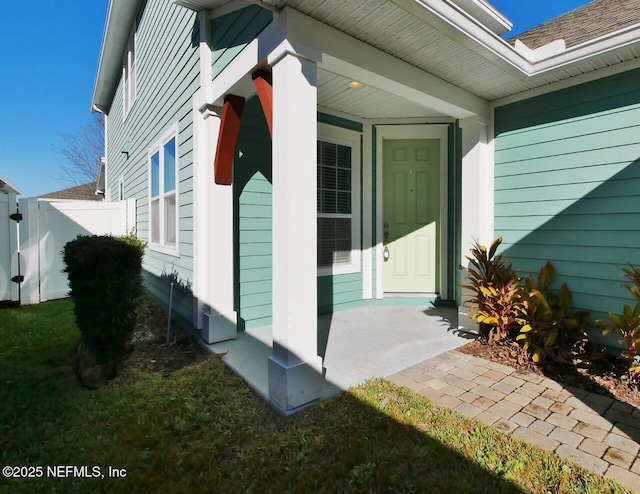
(295, 370)
(367, 211)
(213, 235)
(476, 197)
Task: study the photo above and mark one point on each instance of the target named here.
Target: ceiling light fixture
(355, 84)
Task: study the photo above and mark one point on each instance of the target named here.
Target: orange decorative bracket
(227, 139)
(262, 82)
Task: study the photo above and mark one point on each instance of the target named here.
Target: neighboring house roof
(84, 192)
(585, 23)
(7, 187)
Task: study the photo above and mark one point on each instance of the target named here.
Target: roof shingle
(84, 192)
(585, 23)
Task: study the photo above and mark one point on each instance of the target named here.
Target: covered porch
(355, 345)
(316, 82)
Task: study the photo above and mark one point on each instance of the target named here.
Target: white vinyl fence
(8, 248)
(45, 227)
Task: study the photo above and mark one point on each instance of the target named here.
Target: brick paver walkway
(597, 432)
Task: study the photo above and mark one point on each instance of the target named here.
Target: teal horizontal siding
(253, 287)
(231, 33)
(256, 249)
(584, 101)
(552, 132)
(253, 217)
(505, 223)
(339, 292)
(182, 301)
(164, 39)
(567, 186)
(256, 274)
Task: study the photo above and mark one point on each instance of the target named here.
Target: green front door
(411, 175)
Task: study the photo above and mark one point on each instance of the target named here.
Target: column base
(293, 386)
(219, 327)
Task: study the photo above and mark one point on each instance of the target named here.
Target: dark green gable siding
(231, 33)
(567, 185)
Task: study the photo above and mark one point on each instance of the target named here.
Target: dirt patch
(151, 354)
(602, 376)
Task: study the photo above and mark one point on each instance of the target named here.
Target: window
(163, 194)
(129, 73)
(121, 189)
(338, 201)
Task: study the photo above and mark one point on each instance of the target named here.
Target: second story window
(129, 73)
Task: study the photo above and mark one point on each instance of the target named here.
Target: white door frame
(425, 131)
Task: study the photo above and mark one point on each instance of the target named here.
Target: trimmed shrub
(105, 277)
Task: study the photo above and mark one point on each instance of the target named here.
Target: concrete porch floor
(356, 344)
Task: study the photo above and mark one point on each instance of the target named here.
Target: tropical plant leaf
(539, 354)
(546, 276)
(494, 247)
(565, 300)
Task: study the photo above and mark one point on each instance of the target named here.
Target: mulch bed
(151, 352)
(602, 376)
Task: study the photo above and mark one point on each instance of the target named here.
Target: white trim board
(350, 138)
(439, 131)
(367, 211)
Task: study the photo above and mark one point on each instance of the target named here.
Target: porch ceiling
(388, 27)
(334, 93)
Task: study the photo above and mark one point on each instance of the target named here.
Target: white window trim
(350, 138)
(126, 67)
(173, 250)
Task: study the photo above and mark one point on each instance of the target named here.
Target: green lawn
(202, 430)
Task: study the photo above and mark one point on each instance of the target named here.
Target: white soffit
(366, 102)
